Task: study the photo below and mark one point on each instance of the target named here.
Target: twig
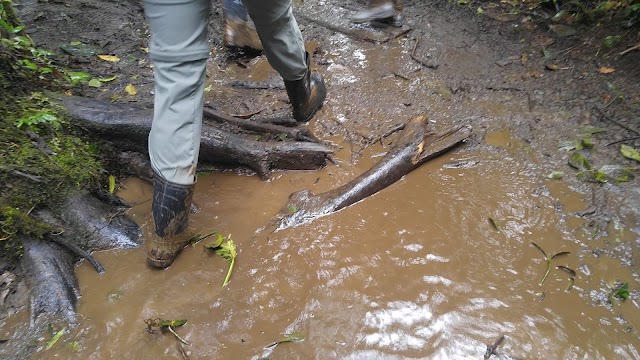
(293, 133)
(635, 47)
(177, 336)
(623, 140)
(419, 61)
(183, 353)
(77, 251)
(491, 349)
(604, 116)
(33, 178)
(400, 76)
(393, 130)
(253, 85)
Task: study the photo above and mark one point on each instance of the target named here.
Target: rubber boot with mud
(389, 11)
(306, 95)
(239, 30)
(170, 205)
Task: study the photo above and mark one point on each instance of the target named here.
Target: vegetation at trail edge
(41, 160)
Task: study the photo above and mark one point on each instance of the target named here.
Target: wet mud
(436, 266)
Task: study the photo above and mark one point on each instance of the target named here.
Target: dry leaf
(109, 58)
(553, 67)
(524, 59)
(606, 70)
(131, 90)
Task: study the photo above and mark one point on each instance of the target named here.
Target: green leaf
(228, 251)
(108, 79)
(282, 136)
(568, 146)
(629, 152)
(292, 209)
(112, 184)
(6, 25)
(555, 175)
(587, 142)
(623, 292)
(172, 323)
(76, 77)
(94, 83)
(579, 161)
(55, 339)
(216, 242)
(591, 130)
(28, 64)
(74, 346)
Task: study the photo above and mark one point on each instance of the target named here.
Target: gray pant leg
(280, 36)
(179, 52)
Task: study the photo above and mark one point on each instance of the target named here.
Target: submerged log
(53, 287)
(414, 147)
(87, 224)
(128, 126)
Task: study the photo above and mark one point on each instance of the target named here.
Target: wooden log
(127, 126)
(415, 146)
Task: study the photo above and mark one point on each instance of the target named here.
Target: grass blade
(540, 249)
(55, 339)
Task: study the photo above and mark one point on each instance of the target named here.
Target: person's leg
(179, 52)
(284, 48)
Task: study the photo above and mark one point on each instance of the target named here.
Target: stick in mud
(415, 146)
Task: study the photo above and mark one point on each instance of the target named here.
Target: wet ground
(436, 266)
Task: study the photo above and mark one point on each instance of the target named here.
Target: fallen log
(414, 147)
(53, 287)
(295, 133)
(127, 126)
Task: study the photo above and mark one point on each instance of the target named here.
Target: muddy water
(416, 271)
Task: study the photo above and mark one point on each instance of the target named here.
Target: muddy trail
(438, 265)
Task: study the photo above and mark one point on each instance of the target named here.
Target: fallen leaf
(108, 79)
(606, 70)
(553, 67)
(131, 90)
(94, 83)
(629, 152)
(109, 58)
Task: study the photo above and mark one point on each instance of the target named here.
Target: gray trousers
(179, 51)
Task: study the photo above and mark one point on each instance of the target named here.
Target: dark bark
(128, 126)
(414, 147)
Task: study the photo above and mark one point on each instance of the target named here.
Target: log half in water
(128, 126)
(415, 146)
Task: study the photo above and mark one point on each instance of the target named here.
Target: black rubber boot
(170, 205)
(306, 95)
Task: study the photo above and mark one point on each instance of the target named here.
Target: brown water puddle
(416, 271)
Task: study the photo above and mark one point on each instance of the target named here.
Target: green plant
(226, 248)
(548, 258)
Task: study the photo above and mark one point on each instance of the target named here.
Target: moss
(41, 161)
